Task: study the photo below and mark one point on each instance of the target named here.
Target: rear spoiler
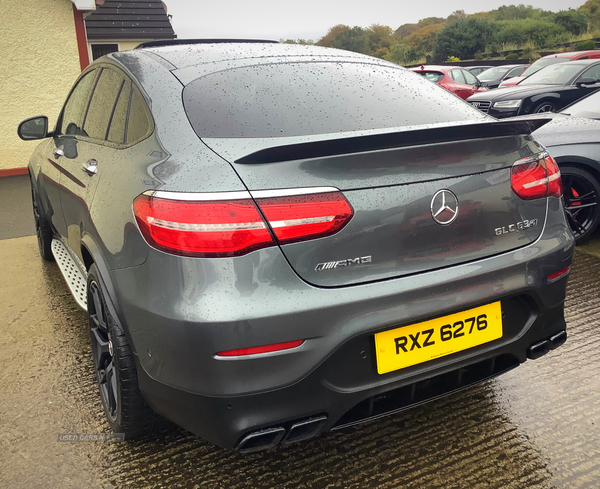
(418, 137)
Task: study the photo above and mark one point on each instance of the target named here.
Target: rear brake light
(302, 217)
(536, 177)
(201, 228)
(255, 350)
(225, 228)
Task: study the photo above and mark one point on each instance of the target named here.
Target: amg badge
(515, 228)
(330, 265)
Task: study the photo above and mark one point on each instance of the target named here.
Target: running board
(71, 272)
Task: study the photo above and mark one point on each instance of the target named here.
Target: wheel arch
(580, 162)
(92, 255)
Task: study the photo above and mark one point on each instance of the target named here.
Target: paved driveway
(536, 426)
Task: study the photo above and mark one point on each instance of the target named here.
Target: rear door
(461, 88)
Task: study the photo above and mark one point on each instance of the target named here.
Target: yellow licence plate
(418, 343)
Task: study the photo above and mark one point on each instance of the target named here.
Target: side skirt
(71, 272)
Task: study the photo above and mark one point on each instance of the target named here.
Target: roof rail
(175, 42)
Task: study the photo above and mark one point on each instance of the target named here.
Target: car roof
(434, 68)
(573, 54)
(580, 62)
(187, 53)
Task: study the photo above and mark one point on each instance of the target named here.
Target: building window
(99, 50)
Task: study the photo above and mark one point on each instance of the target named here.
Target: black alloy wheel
(122, 401)
(42, 227)
(581, 193)
(544, 107)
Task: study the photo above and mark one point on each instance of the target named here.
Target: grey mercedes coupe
(273, 241)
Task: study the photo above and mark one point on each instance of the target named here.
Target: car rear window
(493, 74)
(542, 63)
(297, 99)
(588, 107)
(434, 76)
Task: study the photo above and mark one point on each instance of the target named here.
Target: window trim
(98, 68)
(58, 127)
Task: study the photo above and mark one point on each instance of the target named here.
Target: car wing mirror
(33, 128)
(586, 81)
(483, 84)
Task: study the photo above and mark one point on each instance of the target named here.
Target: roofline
(176, 42)
(570, 53)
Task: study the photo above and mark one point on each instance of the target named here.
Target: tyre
(544, 107)
(581, 192)
(114, 364)
(42, 227)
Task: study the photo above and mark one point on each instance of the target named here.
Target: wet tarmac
(535, 427)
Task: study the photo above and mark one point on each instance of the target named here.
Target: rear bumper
(231, 421)
(179, 312)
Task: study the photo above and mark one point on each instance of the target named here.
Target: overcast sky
(311, 19)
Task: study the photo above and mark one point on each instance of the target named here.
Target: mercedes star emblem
(444, 207)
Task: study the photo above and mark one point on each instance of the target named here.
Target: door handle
(90, 167)
(58, 152)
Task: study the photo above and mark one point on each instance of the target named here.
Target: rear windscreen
(298, 99)
(434, 76)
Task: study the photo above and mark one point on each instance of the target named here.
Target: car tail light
(201, 228)
(302, 217)
(225, 228)
(255, 350)
(536, 177)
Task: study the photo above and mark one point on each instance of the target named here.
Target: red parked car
(550, 60)
(459, 81)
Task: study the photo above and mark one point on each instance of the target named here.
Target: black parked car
(272, 240)
(573, 140)
(548, 90)
(496, 75)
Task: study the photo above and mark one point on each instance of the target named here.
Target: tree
(354, 39)
(515, 12)
(405, 30)
(380, 36)
(591, 9)
(573, 21)
(423, 40)
(463, 39)
(399, 53)
(332, 34)
(456, 15)
(540, 32)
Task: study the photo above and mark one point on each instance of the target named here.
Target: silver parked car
(273, 241)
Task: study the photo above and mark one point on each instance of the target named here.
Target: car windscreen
(559, 74)
(588, 107)
(542, 63)
(493, 74)
(433, 76)
(298, 99)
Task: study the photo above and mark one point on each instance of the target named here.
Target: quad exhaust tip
(265, 439)
(540, 348)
